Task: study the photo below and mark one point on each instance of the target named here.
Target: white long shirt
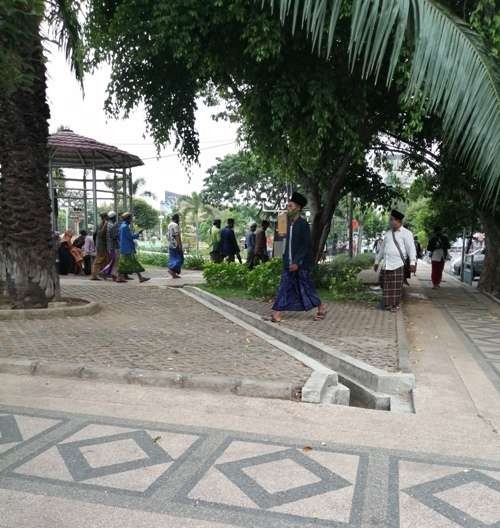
(388, 251)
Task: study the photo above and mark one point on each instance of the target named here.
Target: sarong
(437, 272)
(296, 292)
(110, 268)
(99, 263)
(175, 260)
(392, 284)
(129, 264)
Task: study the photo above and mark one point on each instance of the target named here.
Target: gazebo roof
(72, 151)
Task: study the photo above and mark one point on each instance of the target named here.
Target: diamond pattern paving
(449, 495)
(240, 480)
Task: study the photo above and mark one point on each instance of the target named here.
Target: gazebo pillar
(115, 191)
(131, 190)
(94, 194)
(124, 190)
(85, 211)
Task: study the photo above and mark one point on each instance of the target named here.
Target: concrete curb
(90, 308)
(403, 345)
(369, 384)
(248, 387)
(322, 386)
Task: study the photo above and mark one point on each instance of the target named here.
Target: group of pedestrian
(225, 247)
(109, 253)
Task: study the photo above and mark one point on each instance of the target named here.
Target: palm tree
(451, 70)
(27, 263)
(137, 185)
(194, 210)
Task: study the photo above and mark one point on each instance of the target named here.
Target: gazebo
(68, 150)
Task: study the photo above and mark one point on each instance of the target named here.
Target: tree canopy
(243, 178)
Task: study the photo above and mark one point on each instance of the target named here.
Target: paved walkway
(147, 327)
(87, 454)
(360, 330)
(94, 454)
(473, 315)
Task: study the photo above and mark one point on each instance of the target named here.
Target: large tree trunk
(490, 276)
(322, 207)
(27, 259)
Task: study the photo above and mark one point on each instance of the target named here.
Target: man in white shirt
(397, 248)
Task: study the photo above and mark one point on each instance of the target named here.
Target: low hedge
(339, 276)
(153, 259)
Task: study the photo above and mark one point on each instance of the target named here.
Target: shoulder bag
(406, 261)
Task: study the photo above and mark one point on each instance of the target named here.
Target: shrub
(225, 275)
(364, 260)
(194, 262)
(153, 259)
(263, 280)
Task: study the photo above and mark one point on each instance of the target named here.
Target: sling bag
(406, 261)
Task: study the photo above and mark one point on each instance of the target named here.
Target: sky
(85, 115)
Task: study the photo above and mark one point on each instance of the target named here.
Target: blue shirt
(127, 246)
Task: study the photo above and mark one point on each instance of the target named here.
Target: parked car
(478, 263)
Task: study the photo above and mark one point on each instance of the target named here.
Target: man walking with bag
(398, 253)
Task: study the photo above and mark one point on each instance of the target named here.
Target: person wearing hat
(113, 245)
(397, 251)
(296, 291)
(128, 262)
(101, 247)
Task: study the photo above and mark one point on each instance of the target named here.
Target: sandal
(320, 316)
(272, 319)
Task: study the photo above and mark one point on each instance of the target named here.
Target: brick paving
(143, 326)
(359, 330)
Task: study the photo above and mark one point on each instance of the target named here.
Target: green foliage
(243, 177)
(340, 268)
(194, 262)
(311, 126)
(263, 280)
(153, 258)
(225, 275)
(193, 211)
(145, 216)
(443, 47)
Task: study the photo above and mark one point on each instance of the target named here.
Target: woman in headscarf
(128, 262)
(76, 253)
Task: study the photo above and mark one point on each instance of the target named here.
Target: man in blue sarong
(297, 291)
(175, 251)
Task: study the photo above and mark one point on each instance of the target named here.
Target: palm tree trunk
(27, 258)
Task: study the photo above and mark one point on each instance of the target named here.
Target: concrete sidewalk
(95, 454)
(89, 454)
